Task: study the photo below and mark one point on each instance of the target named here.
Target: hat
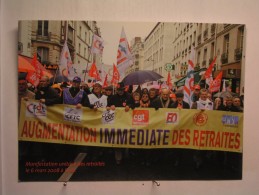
(98, 83)
(121, 86)
(77, 79)
(197, 87)
(109, 87)
(179, 94)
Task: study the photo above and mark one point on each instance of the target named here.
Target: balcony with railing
(224, 58)
(199, 39)
(43, 36)
(205, 34)
(238, 53)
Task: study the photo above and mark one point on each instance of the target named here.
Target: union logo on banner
(72, 115)
(35, 109)
(108, 117)
(200, 119)
(140, 117)
(172, 118)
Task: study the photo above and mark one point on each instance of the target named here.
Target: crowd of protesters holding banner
(81, 95)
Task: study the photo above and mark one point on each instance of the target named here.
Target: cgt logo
(72, 115)
(140, 117)
(35, 109)
(172, 117)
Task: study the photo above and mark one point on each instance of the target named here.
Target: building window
(70, 35)
(84, 52)
(43, 27)
(226, 44)
(43, 53)
(240, 37)
(79, 48)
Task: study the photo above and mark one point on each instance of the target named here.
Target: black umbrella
(225, 94)
(140, 77)
(58, 79)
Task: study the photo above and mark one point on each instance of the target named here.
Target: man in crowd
(45, 93)
(97, 99)
(196, 93)
(152, 94)
(74, 95)
(163, 101)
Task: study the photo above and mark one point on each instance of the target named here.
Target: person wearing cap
(74, 95)
(179, 103)
(120, 99)
(45, 93)
(96, 98)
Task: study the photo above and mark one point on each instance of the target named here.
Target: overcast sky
(111, 31)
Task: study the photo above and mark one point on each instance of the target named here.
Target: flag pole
(66, 32)
(88, 58)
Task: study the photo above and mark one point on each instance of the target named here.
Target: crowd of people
(81, 95)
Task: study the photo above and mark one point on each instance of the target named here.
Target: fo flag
(115, 76)
(66, 66)
(93, 72)
(215, 84)
(97, 45)
(189, 81)
(124, 56)
(34, 77)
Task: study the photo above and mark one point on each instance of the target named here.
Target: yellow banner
(138, 128)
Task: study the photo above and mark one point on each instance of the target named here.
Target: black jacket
(49, 94)
(121, 101)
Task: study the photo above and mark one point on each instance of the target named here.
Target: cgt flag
(124, 56)
(97, 45)
(215, 84)
(34, 77)
(115, 76)
(93, 72)
(189, 81)
(66, 66)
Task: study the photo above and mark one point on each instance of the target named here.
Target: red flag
(215, 84)
(169, 82)
(34, 77)
(208, 72)
(93, 72)
(105, 83)
(115, 76)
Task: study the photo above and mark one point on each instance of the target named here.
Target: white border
(218, 11)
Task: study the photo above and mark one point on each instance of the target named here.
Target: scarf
(166, 104)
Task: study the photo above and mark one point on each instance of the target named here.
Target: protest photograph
(130, 101)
